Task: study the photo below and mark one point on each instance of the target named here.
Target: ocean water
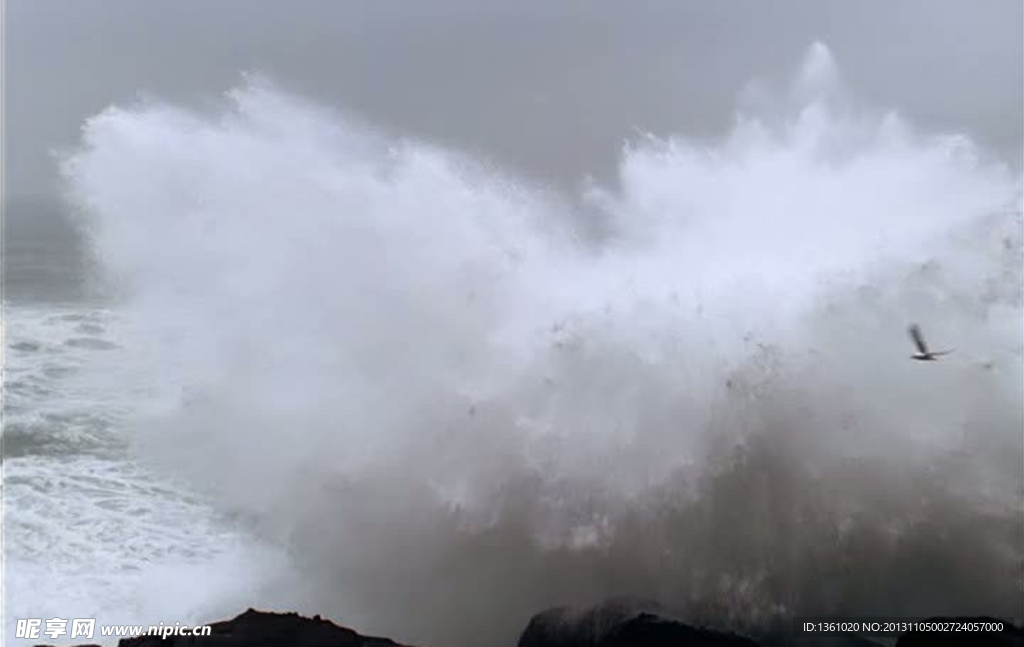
(329, 371)
(90, 533)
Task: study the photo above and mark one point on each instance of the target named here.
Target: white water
(450, 403)
(89, 533)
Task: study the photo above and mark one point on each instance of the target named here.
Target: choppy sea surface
(89, 531)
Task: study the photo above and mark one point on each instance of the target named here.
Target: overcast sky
(549, 88)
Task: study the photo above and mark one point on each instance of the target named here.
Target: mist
(456, 397)
(549, 91)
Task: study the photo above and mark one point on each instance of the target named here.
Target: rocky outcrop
(611, 624)
(260, 629)
(620, 624)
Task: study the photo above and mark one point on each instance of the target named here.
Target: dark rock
(1010, 636)
(259, 629)
(618, 624)
(648, 629)
(780, 633)
(615, 623)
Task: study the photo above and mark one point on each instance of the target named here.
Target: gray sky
(549, 88)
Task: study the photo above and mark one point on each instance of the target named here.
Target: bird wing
(942, 352)
(915, 334)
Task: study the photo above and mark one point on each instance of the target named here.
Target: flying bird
(923, 354)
